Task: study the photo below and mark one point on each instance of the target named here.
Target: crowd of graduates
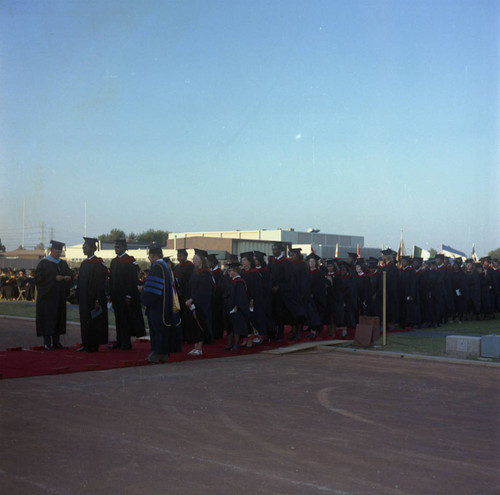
(312, 294)
(249, 298)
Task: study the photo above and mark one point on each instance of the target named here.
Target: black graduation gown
(408, 292)
(303, 284)
(126, 299)
(458, 284)
(424, 296)
(51, 297)
(201, 289)
(267, 299)
(218, 304)
(496, 288)
(239, 298)
(318, 291)
(449, 306)
(437, 287)
(286, 305)
(335, 298)
(486, 288)
(253, 280)
(376, 294)
(350, 301)
(363, 289)
(473, 285)
(164, 323)
(392, 292)
(183, 272)
(91, 288)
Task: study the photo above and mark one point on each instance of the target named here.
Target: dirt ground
(323, 421)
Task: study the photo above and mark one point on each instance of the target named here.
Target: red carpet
(17, 363)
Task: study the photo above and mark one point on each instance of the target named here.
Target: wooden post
(384, 308)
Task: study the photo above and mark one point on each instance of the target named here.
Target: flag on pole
(357, 251)
(452, 252)
(474, 255)
(401, 250)
(337, 250)
(419, 252)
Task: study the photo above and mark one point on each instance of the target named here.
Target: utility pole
(42, 233)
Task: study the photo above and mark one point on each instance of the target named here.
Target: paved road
(318, 422)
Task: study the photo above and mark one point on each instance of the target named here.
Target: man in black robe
(409, 313)
(183, 271)
(125, 297)
(239, 307)
(218, 297)
(92, 300)
(53, 280)
(286, 305)
(159, 297)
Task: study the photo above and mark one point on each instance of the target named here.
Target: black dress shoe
(58, 346)
(116, 345)
(81, 349)
(91, 349)
(228, 347)
(125, 348)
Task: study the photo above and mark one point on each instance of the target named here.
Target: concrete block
(463, 346)
(490, 346)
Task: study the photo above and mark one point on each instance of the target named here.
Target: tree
(113, 235)
(20, 247)
(151, 235)
(2, 247)
(40, 245)
(432, 252)
(495, 253)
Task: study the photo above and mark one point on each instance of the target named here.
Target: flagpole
(24, 218)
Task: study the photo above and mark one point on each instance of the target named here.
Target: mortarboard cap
(213, 258)
(201, 252)
(155, 248)
(91, 241)
(259, 255)
(121, 242)
(313, 256)
(295, 250)
(353, 255)
(182, 251)
(360, 261)
(57, 245)
(388, 252)
(248, 255)
(233, 266)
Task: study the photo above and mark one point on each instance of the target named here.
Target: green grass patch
(413, 344)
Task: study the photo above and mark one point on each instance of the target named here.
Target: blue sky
(354, 117)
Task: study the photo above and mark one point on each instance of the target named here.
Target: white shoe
(193, 352)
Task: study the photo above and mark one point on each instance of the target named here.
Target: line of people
(250, 300)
